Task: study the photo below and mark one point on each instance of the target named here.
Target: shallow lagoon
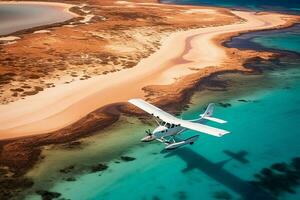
(16, 17)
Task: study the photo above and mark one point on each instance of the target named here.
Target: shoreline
(68, 106)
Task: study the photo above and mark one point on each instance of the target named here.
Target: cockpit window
(172, 126)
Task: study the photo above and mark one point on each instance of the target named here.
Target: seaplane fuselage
(170, 126)
(163, 131)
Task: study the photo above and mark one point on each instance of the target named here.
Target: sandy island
(180, 54)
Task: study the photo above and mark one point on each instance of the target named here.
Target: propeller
(148, 132)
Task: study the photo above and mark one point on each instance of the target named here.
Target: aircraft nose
(148, 138)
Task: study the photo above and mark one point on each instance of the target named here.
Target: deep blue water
(292, 6)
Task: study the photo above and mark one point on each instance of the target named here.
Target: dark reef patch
(70, 179)
(98, 167)
(185, 107)
(127, 158)
(215, 84)
(10, 186)
(247, 101)
(155, 198)
(67, 169)
(243, 100)
(222, 195)
(279, 177)
(181, 195)
(47, 195)
(281, 167)
(224, 105)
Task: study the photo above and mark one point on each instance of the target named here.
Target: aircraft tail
(208, 114)
(209, 110)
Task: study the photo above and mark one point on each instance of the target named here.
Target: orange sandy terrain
(115, 35)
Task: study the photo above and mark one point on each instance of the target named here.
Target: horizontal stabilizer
(220, 121)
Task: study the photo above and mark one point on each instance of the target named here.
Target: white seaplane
(169, 126)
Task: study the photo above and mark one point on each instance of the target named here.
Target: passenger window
(172, 126)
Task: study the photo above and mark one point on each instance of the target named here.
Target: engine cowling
(148, 138)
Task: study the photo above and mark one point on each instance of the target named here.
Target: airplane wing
(153, 110)
(203, 128)
(166, 117)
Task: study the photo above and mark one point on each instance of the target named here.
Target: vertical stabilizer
(209, 110)
(208, 114)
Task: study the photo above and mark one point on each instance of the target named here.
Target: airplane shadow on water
(195, 161)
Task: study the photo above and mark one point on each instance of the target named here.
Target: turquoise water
(287, 39)
(267, 129)
(292, 6)
(264, 125)
(280, 41)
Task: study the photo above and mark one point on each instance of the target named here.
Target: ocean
(289, 6)
(258, 160)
